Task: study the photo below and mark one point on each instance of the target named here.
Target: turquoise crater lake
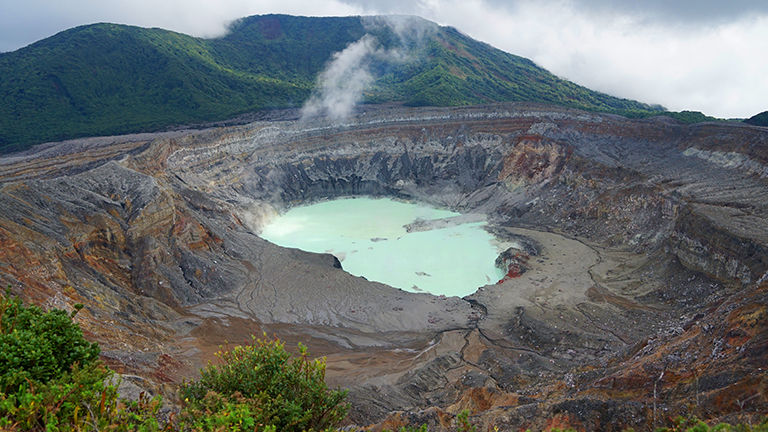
(370, 238)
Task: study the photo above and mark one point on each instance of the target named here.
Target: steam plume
(341, 85)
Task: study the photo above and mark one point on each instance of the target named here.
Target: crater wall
(639, 234)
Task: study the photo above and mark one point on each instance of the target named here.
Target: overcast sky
(703, 55)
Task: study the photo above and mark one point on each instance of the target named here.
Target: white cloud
(717, 66)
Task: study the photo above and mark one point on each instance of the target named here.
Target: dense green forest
(105, 79)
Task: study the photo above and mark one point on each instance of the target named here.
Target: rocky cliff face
(642, 244)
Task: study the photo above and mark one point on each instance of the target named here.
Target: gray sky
(704, 55)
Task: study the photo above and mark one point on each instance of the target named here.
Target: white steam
(340, 86)
(343, 82)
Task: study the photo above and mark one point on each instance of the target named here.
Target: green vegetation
(463, 424)
(51, 379)
(690, 117)
(454, 69)
(682, 424)
(107, 79)
(686, 117)
(758, 119)
(37, 346)
(260, 384)
(422, 428)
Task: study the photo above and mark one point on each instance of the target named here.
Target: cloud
(679, 11)
(704, 55)
(410, 30)
(711, 68)
(685, 55)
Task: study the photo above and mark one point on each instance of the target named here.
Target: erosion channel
(632, 285)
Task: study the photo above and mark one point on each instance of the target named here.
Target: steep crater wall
(607, 178)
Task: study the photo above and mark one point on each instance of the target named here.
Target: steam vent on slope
(622, 275)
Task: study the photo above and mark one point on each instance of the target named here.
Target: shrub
(682, 424)
(422, 428)
(261, 386)
(463, 424)
(51, 378)
(38, 346)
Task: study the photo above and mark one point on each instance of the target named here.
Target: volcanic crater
(637, 288)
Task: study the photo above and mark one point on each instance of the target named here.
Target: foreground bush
(51, 378)
(262, 387)
(39, 346)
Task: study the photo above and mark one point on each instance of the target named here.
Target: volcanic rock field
(639, 290)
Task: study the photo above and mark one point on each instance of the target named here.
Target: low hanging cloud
(706, 65)
(698, 55)
(410, 30)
